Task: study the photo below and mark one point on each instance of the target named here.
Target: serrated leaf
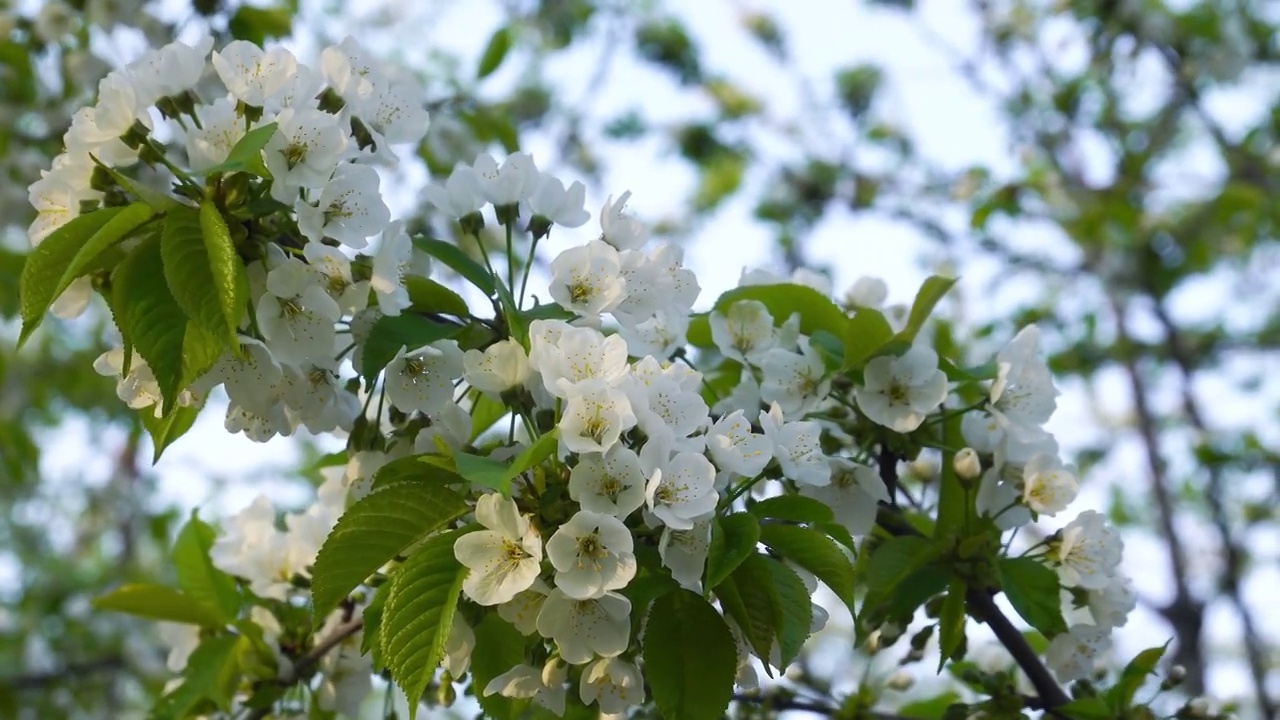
(458, 261)
(371, 636)
(793, 508)
(427, 295)
(158, 602)
(816, 553)
(531, 456)
(210, 675)
(46, 263)
(482, 471)
(896, 558)
(205, 584)
(797, 610)
(246, 154)
(115, 230)
(1033, 590)
(689, 657)
(868, 332)
(177, 350)
(951, 622)
(412, 468)
(230, 280)
(1086, 708)
(494, 52)
(419, 613)
(187, 271)
(1133, 675)
(749, 597)
(374, 530)
(165, 430)
(390, 333)
(932, 291)
(733, 540)
(499, 647)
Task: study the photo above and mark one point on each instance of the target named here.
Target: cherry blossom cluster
(647, 453)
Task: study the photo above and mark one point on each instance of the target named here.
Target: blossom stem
(739, 490)
(528, 265)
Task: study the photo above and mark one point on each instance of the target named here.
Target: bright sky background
(220, 473)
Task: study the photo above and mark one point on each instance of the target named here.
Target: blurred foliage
(1115, 214)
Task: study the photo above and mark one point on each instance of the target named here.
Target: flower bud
(967, 464)
(901, 681)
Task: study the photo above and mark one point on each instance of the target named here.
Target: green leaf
(951, 622)
(1034, 592)
(899, 576)
(117, 229)
(793, 508)
(933, 708)
(165, 430)
(158, 602)
(482, 471)
(689, 658)
(188, 272)
(531, 456)
(816, 310)
(210, 675)
(177, 350)
(412, 468)
(797, 610)
(1134, 674)
(427, 295)
(484, 413)
(48, 261)
(258, 24)
(494, 52)
(499, 647)
(897, 558)
(816, 553)
(371, 637)
(159, 200)
(934, 287)
(230, 281)
(749, 597)
(458, 261)
(868, 332)
(390, 333)
(1086, 708)
(733, 540)
(205, 584)
(374, 530)
(419, 614)
(246, 154)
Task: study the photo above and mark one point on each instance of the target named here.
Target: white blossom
(587, 279)
(681, 490)
(551, 201)
(612, 482)
(529, 682)
(853, 495)
(1072, 655)
(522, 610)
(459, 195)
(796, 447)
(458, 647)
(303, 152)
(253, 75)
(350, 208)
(619, 228)
(684, 552)
(592, 554)
(612, 683)
(220, 128)
(503, 559)
(1022, 396)
(498, 368)
(735, 447)
(390, 262)
(1048, 485)
(744, 331)
(422, 379)
(567, 356)
(583, 629)
(1088, 553)
(794, 380)
(513, 182)
(898, 392)
(595, 416)
(296, 315)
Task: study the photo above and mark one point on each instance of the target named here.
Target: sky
(220, 473)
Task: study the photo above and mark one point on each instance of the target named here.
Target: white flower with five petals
(592, 554)
(502, 560)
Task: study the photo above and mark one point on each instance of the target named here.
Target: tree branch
(984, 609)
(42, 680)
(1184, 611)
(303, 666)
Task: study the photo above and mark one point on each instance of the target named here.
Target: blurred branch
(303, 667)
(42, 680)
(1233, 553)
(1184, 611)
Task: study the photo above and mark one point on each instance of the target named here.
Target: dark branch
(42, 680)
(303, 666)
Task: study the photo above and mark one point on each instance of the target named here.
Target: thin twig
(303, 666)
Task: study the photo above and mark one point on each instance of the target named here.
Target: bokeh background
(1107, 169)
